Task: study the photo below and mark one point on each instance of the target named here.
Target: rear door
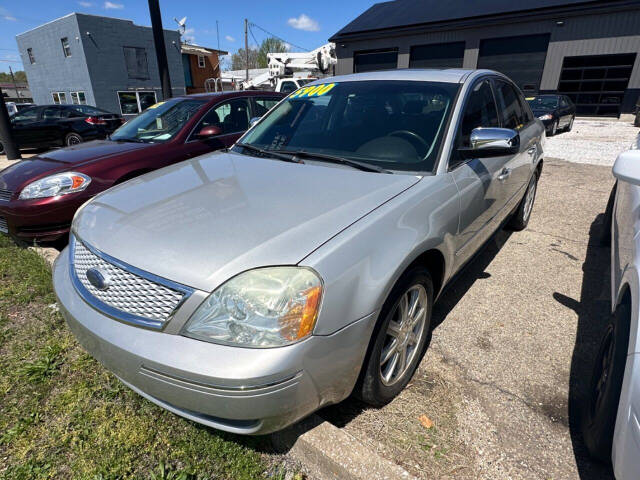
(483, 193)
(55, 124)
(515, 114)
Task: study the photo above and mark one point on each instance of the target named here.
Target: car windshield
(543, 103)
(396, 125)
(160, 122)
(304, 81)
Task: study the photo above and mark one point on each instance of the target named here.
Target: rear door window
(511, 110)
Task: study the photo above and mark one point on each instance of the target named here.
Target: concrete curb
(49, 254)
(330, 453)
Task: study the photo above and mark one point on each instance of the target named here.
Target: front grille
(139, 299)
(4, 228)
(5, 195)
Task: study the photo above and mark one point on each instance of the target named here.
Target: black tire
(553, 129)
(1, 149)
(73, 139)
(570, 124)
(520, 218)
(601, 407)
(370, 387)
(605, 234)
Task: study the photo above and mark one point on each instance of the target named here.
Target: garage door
(596, 83)
(439, 55)
(375, 60)
(520, 58)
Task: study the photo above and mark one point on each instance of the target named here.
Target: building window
(375, 60)
(201, 62)
(32, 59)
(78, 98)
(59, 97)
(136, 60)
(133, 103)
(66, 49)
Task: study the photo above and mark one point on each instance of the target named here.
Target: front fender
(361, 264)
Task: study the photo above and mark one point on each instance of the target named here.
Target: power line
(254, 38)
(279, 38)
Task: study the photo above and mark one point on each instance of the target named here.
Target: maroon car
(40, 195)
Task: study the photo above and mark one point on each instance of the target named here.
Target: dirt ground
(503, 378)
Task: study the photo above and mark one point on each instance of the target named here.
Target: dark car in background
(557, 112)
(40, 195)
(61, 125)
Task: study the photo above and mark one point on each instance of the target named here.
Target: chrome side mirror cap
(490, 142)
(627, 167)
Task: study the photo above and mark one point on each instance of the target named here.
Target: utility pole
(6, 137)
(246, 47)
(161, 50)
(15, 85)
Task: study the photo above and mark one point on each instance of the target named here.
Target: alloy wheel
(554, 128)
(404, 332)
(605, 362)
(73, 140)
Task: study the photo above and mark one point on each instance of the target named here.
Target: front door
(230, 116)
(25, 128)
(480, 181)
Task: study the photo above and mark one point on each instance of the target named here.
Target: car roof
(446, 75)
(231, 94)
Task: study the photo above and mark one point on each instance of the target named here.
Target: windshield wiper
(270, 153)
(367, 167)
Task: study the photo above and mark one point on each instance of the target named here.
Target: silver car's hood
(203, 221)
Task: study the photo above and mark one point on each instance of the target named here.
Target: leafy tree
(238, 59)
(270, 45)
(21, 77)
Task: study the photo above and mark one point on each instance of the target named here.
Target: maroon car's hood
(90, 151)
(16, 176)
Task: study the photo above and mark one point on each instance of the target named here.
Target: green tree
(270, 45)
(20, 76)
(238, 59)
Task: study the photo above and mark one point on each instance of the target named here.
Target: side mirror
(492, 142)
(208, 132)
(253, 121)
(627, 167)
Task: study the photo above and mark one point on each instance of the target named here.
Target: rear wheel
(399, 339)
(520, 218)
(599, 418)
(570, 125)
(72, 139)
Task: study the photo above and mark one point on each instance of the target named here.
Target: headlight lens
(265, 307)
(546, 116)
(54, 185)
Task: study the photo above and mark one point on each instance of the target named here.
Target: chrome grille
(3, 225)
(138, 298)
(5, 195)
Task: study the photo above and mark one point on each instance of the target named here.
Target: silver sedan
(248, 288)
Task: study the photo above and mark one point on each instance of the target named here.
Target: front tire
(72, 139)
(601, 409)
(570, 125)
(553, 129)
(1, 149)
(520, 218)
(399, 339)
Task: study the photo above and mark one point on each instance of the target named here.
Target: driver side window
(479, 111)
(230, 117)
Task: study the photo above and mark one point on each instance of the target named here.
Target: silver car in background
(248, 288)
(611, 421)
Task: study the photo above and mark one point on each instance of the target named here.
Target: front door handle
(532, 150)
(506, 173)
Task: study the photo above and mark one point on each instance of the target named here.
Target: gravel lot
(596, 142)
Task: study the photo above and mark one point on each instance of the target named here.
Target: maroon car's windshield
(160, 122)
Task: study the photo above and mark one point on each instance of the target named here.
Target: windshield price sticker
(155, 105)
(313, 91)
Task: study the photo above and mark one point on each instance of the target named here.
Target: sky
(299, 23)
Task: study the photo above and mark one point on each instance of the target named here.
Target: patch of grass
(62, 415)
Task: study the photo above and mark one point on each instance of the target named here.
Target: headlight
(546, 116)
(54, 185)
(265, 307)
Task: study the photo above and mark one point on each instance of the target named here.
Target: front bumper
(43, 220)
(240, 390)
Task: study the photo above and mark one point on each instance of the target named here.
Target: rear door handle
(506, 173)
